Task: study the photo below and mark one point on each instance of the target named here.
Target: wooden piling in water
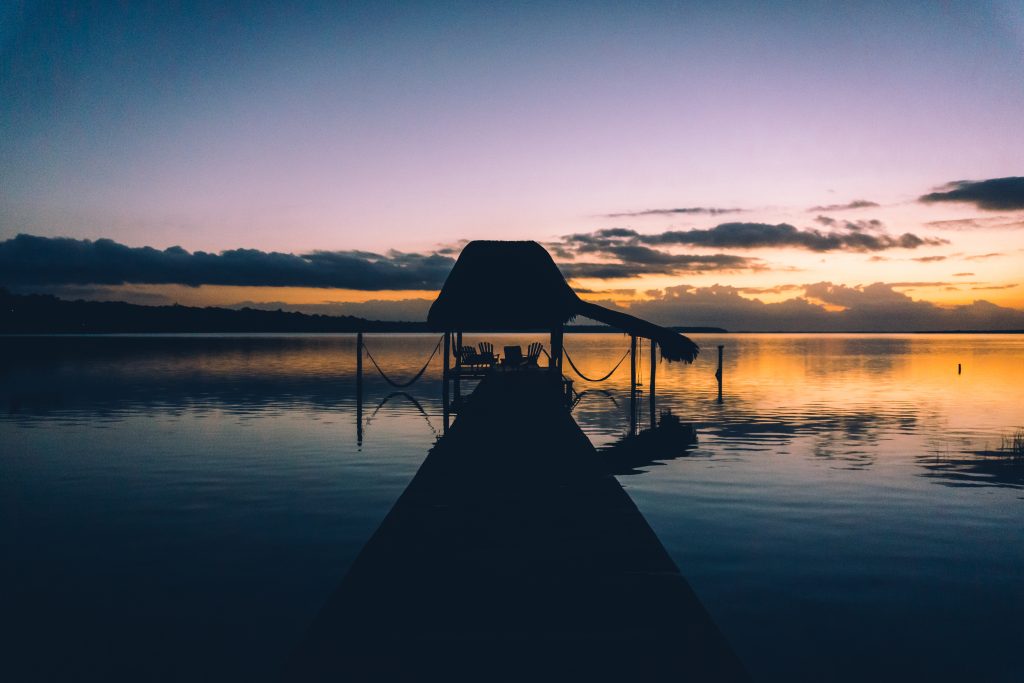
(632, 384)
(654, 367)
(718, 372)
(359, 388)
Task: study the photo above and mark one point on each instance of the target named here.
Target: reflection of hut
(516, 286)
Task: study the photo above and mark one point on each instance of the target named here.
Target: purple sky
(219, 126)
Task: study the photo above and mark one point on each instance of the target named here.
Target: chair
(513, 356)
(469, 356)
(533, 353)
(487, 353)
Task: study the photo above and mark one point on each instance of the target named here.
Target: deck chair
(513, 356)
(533, 353)
(469, 356)
(487, 353)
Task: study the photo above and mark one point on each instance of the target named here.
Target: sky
(750, 165)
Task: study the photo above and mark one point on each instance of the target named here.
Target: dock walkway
(513, 555)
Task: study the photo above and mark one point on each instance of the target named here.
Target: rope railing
(402, 385)
(590, 379)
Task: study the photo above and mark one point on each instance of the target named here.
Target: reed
(1013, 445)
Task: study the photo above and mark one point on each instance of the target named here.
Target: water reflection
(656, 445)
(982, 468)
(843, 477)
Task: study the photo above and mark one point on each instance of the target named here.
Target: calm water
(180, 507)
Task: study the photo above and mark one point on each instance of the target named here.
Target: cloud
(30, 260)
(980, 257)
(989, 223)
(872, 307)
(995, 194)
(963, 274)
(755, 235)
(855, 204)
(640, 261)
(929, 259)
(688, 211)
(996, 287)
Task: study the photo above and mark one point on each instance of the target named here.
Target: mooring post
(557, 344)
(458, 368)
(654, 367)
(444, 378)
(632, 384)
(718, 372)
(359, 389)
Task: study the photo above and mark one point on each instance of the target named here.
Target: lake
(180, 507)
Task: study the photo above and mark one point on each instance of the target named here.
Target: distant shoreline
(24, 315)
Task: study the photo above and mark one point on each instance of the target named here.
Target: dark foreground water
(180, 507)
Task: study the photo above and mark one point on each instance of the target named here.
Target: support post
(654, 367)
(557, 341)
(632, 384)
(359, 389)
(718, 373)
(444, 378)
(458, 369)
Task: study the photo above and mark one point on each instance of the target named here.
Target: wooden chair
(487, 353)
(513, 356)
(533, 353)
(469, 356)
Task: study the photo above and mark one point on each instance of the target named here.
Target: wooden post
(654, 367)
(557, 341)
(359, 389)
(458, 368)
(718, 373)
(444, 378)
(632, 384)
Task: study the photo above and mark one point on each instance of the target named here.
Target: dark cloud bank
(104, 266)
(29, 260)
(631, 248)
(995, 194)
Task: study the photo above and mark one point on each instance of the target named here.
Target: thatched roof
(505, 286)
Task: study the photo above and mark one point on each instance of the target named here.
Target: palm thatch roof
(503, 286)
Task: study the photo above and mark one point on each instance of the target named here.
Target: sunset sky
(751, 165)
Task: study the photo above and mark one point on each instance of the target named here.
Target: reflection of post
(632, 384)
(444, 378)
(718, 373)
(458, 369)
(654, 367)
(359, 388)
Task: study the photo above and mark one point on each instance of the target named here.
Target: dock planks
(513, 555)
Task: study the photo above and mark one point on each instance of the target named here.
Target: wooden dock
(513, 555)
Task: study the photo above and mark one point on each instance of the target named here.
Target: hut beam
(654, 368)
(557, 343)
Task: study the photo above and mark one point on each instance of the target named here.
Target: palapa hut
(516, 286)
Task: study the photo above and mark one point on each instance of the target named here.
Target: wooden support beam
(458, 368)
(557, 342)
(444, 378)
(654, 368)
